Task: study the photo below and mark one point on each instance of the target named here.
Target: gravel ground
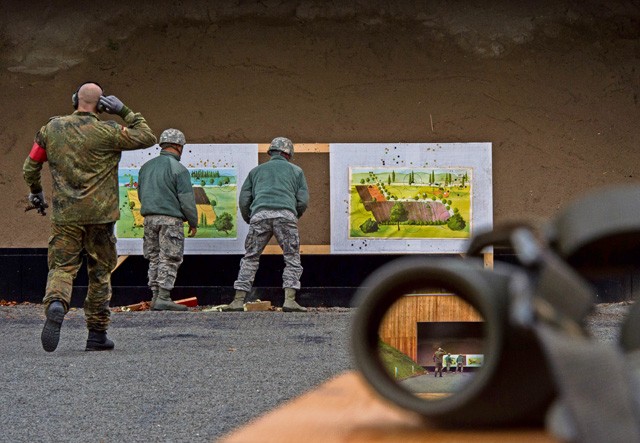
(174, 376)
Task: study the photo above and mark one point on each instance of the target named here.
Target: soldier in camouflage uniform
(167, 201)
(437, 358)
(272, 199)
(83, 154)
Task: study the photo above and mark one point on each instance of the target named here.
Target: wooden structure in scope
(399, 327)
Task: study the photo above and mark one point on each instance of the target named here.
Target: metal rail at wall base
(327, 280)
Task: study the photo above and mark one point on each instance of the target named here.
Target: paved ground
(173, 376)
(448, 383)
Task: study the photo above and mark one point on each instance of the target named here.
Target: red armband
(38, 153)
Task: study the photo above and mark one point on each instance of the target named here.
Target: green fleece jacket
(164, 188)
(276, 184)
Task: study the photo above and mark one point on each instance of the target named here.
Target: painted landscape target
(409, 197)
(215, 192)
(417, 203)
(217, 171)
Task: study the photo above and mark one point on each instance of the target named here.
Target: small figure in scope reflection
(459, 362)
(448, 361)
(437, 358)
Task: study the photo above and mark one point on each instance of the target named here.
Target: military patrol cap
(281, 144)
(172, 136)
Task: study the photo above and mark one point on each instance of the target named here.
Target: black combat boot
(51, 330)
(98, 341)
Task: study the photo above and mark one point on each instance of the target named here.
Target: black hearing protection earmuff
(74, 97)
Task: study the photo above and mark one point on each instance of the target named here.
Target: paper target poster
(217, 173)
(409, 198)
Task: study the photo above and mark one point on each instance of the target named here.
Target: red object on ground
(191, 302)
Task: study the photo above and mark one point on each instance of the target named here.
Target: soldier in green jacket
(167, 201)
(272, 199)
(448, 361)
(83, 154)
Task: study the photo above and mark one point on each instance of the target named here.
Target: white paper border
(343, 156)
(242, 157)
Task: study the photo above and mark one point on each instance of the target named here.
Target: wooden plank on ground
(121, 259)
(191, 302)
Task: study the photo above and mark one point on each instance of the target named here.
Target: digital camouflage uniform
(272, 199)
(167, 201)
(83, 154)
(163, 246)
(265, 224)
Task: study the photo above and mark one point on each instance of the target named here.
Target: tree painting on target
(415, 203)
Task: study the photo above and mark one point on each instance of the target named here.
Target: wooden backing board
(314, 225)
(299, 148)
(306, 249)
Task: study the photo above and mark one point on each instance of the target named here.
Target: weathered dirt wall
(554, 86)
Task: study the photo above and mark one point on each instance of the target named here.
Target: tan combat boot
(164, 302)
(154, 297)
(238, 302)
(290, 304)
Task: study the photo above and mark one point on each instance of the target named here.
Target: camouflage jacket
(83, 154)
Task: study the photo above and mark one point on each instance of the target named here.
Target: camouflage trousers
(260, 232)
(66, 244)
(163, 246)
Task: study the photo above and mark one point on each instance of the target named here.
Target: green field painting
(412, 203)
(216, 196)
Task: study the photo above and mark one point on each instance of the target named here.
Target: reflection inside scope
(432, 344)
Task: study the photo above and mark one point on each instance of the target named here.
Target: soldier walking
(437, 358)
(167, 201)
(272, 199)
(83, 154)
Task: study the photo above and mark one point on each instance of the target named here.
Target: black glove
(37, 199)
(37, 202)
(113, 105)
